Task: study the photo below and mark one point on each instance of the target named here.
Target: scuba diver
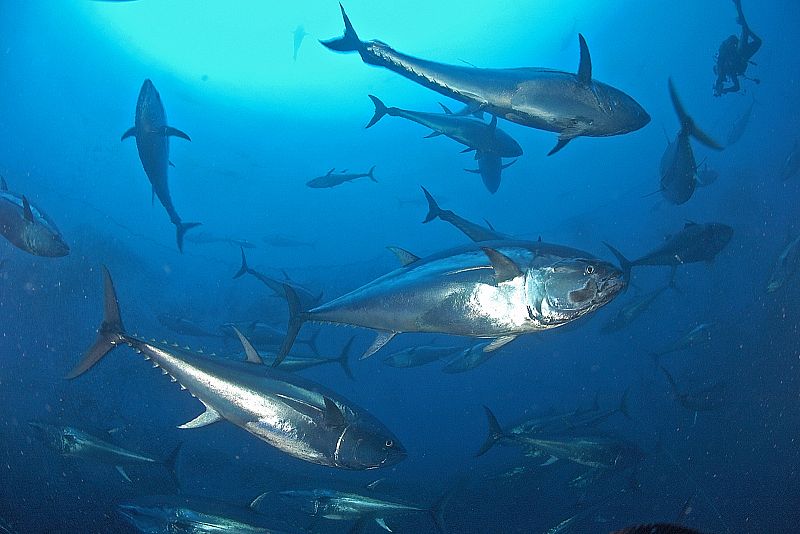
(734, 56)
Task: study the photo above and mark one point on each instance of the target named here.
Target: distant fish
(298, 417)
(694, 243)
(490, 168)
(698, 335)
(678, 166)
(27, 227)
(183, 326)
(205, 238)
(786, 266)
(74, 443)
(493, 289)
(657, 528)
(475, 232)
(570, 104)
(633, 310)
(197, 515)
(740, 125)
(792, 162)
(277, 286)
(332, 180)
(417, 356)
(283, 241)
(297, 37)
(469, 359)
(706, 175)
(262, 334)
(703, 400)
(152, 140)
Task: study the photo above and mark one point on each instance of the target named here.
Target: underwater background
(262, 124)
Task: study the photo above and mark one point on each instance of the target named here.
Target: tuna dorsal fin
(169, 130)
(249, 350)
(206, 418)
(331, 171)
(504, 267)
(26, 209)
(3, 184)
(585, 65)
(446, 110)
(405, 257)
(334, 418)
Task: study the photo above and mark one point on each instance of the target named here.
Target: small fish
(277, 286)
(633, 310)
(475, 232)
(792, 162)
(469, 359)
(183, 326)
(699, 335)
(297, 37)
(27, 227)
(785, 266)
(706, 175)
(740, 125)
(418, 356)
(206, 238)
(703, 400)
(332, 180)
(283, 241)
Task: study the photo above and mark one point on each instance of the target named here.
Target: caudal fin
(495, 433)
(244, 268)
(312, 342)
(171, 463)
(344, 359)
(371, 175)
(380, 110)
(624, 263)
(296, 319)
(349, 42)
(181, 228)
(109, 333)
(437, 513)
(434, 210)
(687, 123)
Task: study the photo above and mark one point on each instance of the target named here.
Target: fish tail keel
(380, 110)
(349, 42)
(109, 335)
(296, 319)
(434, 210)
(181, 228)
(495, 433)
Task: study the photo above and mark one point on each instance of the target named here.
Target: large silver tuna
(493, 289)
(152, 135)
(294, 415)
(27, 227)
(569, 104)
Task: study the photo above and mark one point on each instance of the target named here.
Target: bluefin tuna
(786, 266)
(475, 232)
(342, 506)
(152, 133)
(296, 416)
(419, 355)
(697, 335)
(184, 327)
(633, 310)
(694, 243)
(469, 359)
(277, 286)
(332, 179)
(570, 104)
(703, 400)
(27, 227)
(490, 167)
(494, 289)
(72, 442)
(678, 166)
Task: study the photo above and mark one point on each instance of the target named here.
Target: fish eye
(589, 269)
(389, 444)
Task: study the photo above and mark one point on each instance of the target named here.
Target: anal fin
(206, 418)
(382, 339)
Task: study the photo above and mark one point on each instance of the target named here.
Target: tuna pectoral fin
(122, 472)
(206, 418)
(381, 339)
(169, 130)
(181, 228)
(382, 523)
(110, 331)
(562, 142)
(495, 433)
(498, 343)
(296, 319)
(433, 208)
(349, 42)
(405, 257)
(26, 209)
(249, 350)
(130, 132)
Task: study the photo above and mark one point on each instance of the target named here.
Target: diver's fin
(244, 268)
(206, 418)
(504, 267)
(349, 42)
(334, 418)
(108, 335)
(26, 209)
(405, 257)
(495, 433)
(381, 339)
(122, 472)
(562, 142)
(170, 131)
(380, 110)
(687, 123)
(433, 208)
(130, 132)
(498, 343)
(250, 351)
(585, 65)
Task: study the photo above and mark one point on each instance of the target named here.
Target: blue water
(262, 125)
